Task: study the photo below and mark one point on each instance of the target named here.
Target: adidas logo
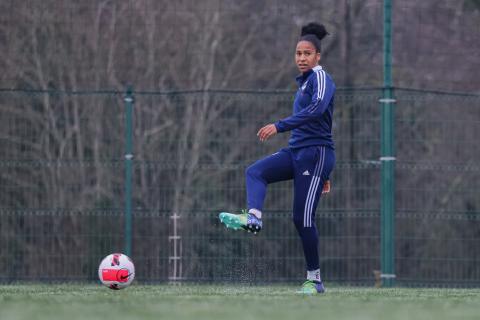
(304, 85)
(306, 173)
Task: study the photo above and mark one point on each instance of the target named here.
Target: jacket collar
(303, 76)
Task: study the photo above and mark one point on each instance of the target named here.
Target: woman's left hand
(326, 187)
(267, 132)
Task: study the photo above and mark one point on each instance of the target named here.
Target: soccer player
(308, 160)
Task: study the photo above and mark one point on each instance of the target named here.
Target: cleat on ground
(311, 287)
(244, 220)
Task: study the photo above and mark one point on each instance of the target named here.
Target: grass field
(74, 301)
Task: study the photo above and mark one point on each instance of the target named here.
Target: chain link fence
(62, 187)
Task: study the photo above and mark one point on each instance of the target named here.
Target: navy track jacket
(311, 121)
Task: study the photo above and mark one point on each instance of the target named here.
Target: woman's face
(306, 56)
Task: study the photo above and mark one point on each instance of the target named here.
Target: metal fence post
(129, 100)
(387, 158)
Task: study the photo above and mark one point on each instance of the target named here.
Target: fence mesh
(62, 187)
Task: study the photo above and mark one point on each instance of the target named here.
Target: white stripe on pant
(316, 179)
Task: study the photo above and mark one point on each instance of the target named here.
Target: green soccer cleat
(310, 287)
(244, 220)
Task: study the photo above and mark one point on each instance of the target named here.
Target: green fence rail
(64, 187)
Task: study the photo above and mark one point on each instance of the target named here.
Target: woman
(308, 160)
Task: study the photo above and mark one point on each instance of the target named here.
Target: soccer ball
(116, 271)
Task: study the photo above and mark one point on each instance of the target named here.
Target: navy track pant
(309, 167)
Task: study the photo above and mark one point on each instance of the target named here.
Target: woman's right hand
(266, 132)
